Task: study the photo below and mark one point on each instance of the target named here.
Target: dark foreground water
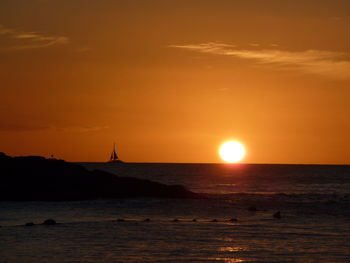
(314, 202)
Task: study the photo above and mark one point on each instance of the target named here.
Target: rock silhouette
(277, 215)
(252, 208)
(49, 222)
(36, 178)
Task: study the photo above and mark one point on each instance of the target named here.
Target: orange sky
(171, 80)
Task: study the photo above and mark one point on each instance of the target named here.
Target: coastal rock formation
(277, 215)
(49, 222)
(36, 178)
(252, 208)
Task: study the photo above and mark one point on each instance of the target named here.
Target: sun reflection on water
(231, 249)
(230, 260)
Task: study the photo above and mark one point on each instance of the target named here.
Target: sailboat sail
(114, 157)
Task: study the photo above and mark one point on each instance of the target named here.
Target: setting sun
(232, 151)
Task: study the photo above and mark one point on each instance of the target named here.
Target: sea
(233, 222)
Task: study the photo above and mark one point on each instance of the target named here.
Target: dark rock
(29, 224)
(176, 220)
(214, 220)
(277, 215)
(147, 220)
(252, 208)
(49, 222)
(194, 220)
(36, 178)
(233, 220)
(120, 220)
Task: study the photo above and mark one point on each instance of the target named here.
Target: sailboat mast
(115, 156)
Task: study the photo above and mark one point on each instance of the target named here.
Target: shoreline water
(89, 231)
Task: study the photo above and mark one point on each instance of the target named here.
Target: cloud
(81, 129)
(336, 18)
(19, 40)
(210, 47)
(5, 31)
(326, 63)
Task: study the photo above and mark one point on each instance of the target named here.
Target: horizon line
(232, 164)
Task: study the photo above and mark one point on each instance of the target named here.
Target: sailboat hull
(115, 161)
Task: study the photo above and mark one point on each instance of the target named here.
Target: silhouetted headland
(37, 178)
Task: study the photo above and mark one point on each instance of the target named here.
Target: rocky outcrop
(49, 222)
(36, 178)
(277, 215)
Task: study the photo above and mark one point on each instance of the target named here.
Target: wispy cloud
(81, 129)
(20, 40)
(6, 31)
(321, 62)
(336, 18)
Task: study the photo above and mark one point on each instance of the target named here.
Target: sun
(232, 151)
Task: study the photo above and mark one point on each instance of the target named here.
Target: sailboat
(114, 157)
